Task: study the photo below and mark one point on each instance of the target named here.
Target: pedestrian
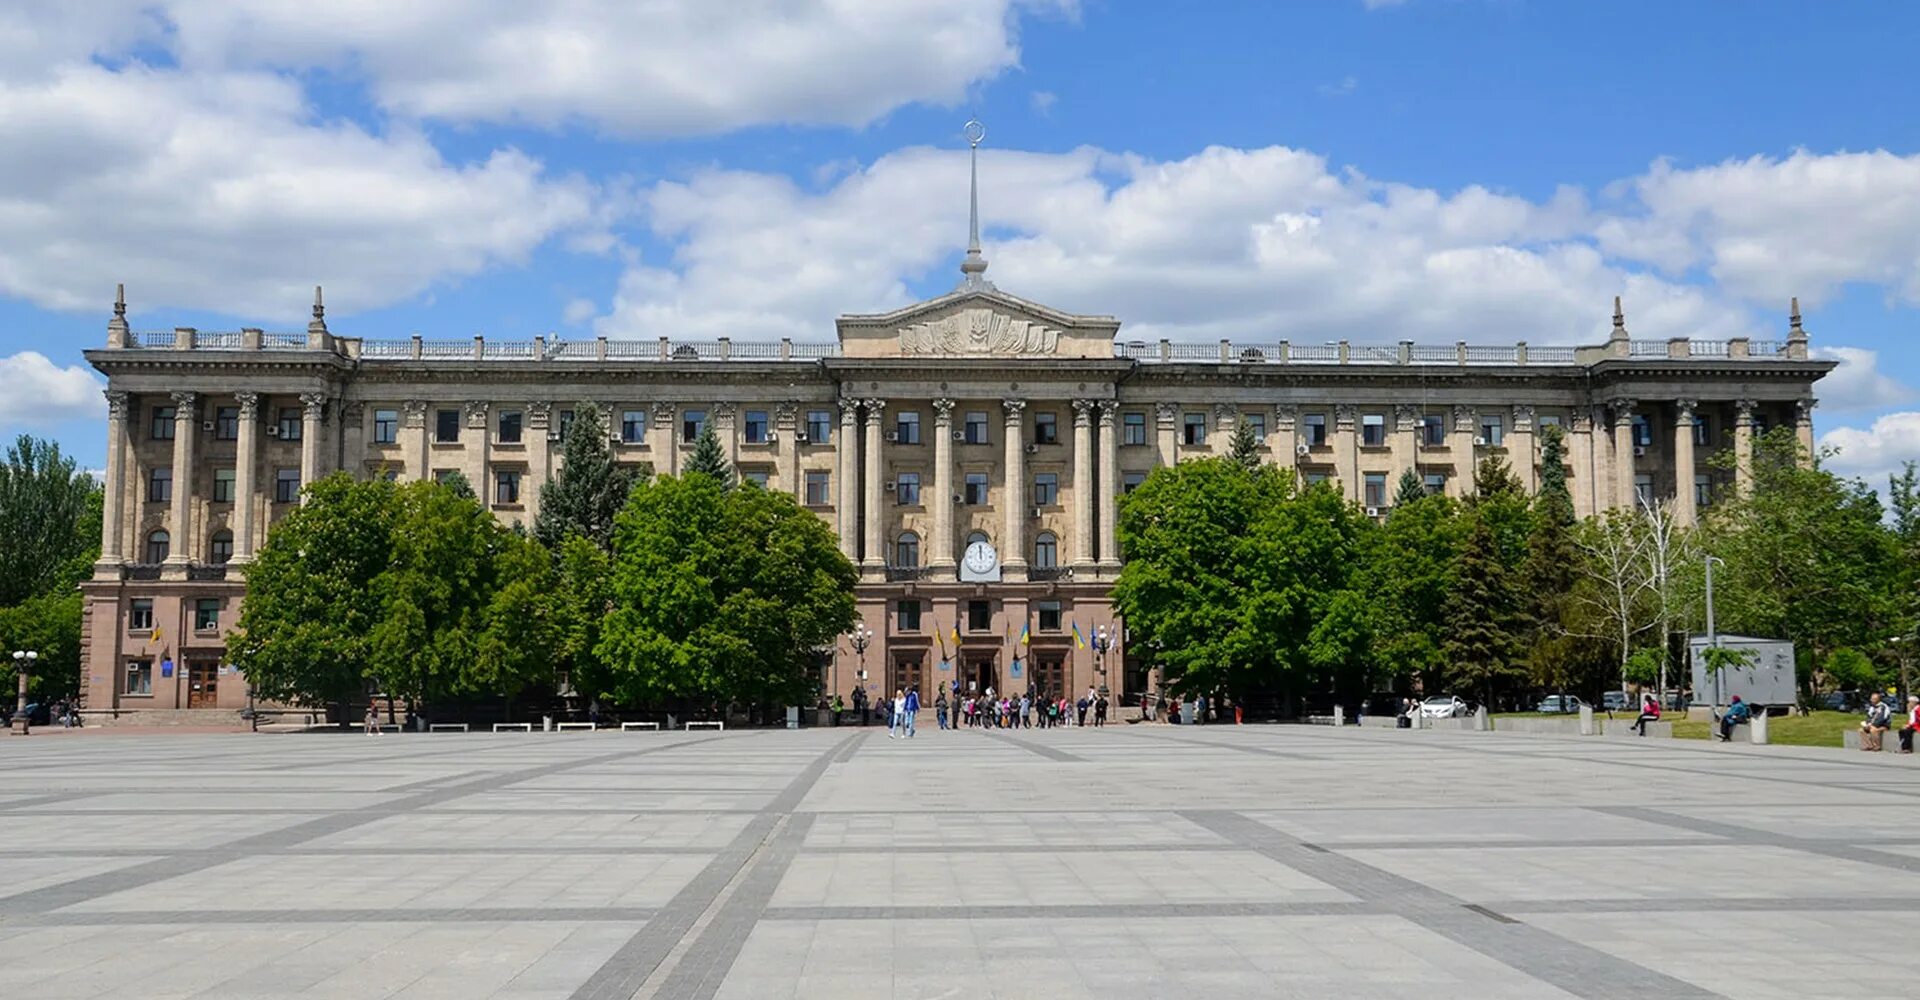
(1879, 719)
(940, 707)
(1100, 710)
(860, 702)
(1200, 710)
(1649, 712)
(912, 707)
(1913, 723)
(373, 719)
(593, 712)
(839, 706)
(1739, 712)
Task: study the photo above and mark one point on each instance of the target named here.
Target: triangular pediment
(977, 322)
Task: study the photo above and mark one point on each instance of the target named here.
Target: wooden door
(203, 677)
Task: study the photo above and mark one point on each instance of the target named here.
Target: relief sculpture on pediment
(978, 331)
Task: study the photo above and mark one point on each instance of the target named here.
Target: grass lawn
(1819, 729)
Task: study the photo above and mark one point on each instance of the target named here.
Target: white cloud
(675, 67)
(221, 192)
(1874, 452)
(578, 311)
(36, 392)
(1858, 384)
(1043, 102)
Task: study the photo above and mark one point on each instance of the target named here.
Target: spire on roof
(973, 269)
(1619, 321)
(319, 323)
(117, 332)
(1793, 319)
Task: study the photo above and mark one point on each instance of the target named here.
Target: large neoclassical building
(969, 451)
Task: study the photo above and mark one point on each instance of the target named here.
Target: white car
(1443, 706)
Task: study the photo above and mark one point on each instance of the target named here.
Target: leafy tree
(1903, 495)
(1849, 669)
(1486, 612)
(457, 482)
(306, 626)
(49, 521)
(720, 595)
(588, 492)
(1243, 449)
(1409, 572)
(48, 624)
(579, 601)
(1409, 489)
(1551, 572)
(709, 459)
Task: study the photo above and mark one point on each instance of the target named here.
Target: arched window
(978, 536)
(158, 545)
(1046, 551)
(220, 549)
(906, 550)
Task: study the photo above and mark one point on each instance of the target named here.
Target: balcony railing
(900, 573)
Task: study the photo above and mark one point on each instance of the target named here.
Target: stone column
(666, 443)
(353, 438)
(180, 524)
(1109, 487)
(313, 408)
(418, 461)
(1013, 548)
(940, 557)
(727, 430)
(1623, 494)
(786, 418)
(1226, 418)
(113, 501)
(1082, 486)
(246, 462)
(1461, 445)
(1684, 510)
(475, 440)
(1803, 430)
(1285, 436)
(846, 456)
(1405, 444)
(1743, 445)
(1346, 450)
(1586, 468)
(539, 457)
(874, 559)
(1520, 452)
(1167, 432)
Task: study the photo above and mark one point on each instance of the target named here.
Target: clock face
(981, 558)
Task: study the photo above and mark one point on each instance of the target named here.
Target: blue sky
(1490, 170)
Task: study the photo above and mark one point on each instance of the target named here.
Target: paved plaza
(1130, 861)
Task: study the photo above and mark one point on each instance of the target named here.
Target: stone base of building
(180, 717)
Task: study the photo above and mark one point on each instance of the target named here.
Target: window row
(906, 550)
(909, 612)
(159, 545)
(286, 485)
(756, 426)
(206, 616)
(225, 424)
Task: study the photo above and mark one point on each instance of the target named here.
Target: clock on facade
(980, 562)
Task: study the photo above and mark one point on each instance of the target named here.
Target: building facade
(969, 451)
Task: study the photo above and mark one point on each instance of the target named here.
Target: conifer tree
(1244, 449)
(1410, 488)
(589, 490)
(1552, 570)
(708, 458)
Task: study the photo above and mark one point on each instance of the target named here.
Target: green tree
(709, 459)
(1903, 495)
(48, 624)
(589, 490)
(1486, 612)
(720, 595)
(1409, 489)
(307, 622)
(1410, 571)
(1243, 448)
(1552, 570)
(49, 521)
(457, 482)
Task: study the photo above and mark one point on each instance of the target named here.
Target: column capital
(116, 403)
(415, 410)
(1344, 415)
(943, 410)
(1015, 408)
(1406, 417)
(183, 402)
(1463, 417)
(1683, 410)
(250, 405)
(1108, 407)
(1582, 421)
(786, 413)
(1083, 412)
(1523, 414)
(314, 403)
(475, 411)
(539, 414)
(1744, 408)
(723, 410)
(1225, 413)
(1167, 413)
(1285, 416)
(1622, 407)
(876, 410)
(1803, 410)
(662, 412)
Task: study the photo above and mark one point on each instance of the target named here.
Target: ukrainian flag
(956, 633)
(1079, 641)
(1026, 634)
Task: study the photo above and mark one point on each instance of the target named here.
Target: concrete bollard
(1339, 716)
(1586, 720)
(1480, 722)
(1757, 732)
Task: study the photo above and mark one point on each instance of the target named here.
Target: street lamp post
(861, 637)
(23, 660)
(1713, 634)
(1102, 639)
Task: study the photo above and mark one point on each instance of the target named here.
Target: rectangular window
(754, 429)
(1046, 551)
(1316, 478)
(820, 426)
(289, 423)
(1133, 428)
(1049, 615)
(566, 423)
(1046, 489)
(206, 614)
(1046, 428)
(909, 615)
(633, 426)
(1702, 490)
(509, 426)
(159, 546)
(446, 426)
(1433, 431)
(506, 486)
(139, 677)
(1642, 430)
(692, 422)
(979, 616)
(757, 477)
(1493, 431)
(140, 614)
(906, 489)
(1257, 421)
(1374, 493)
(1436, 483)
(1702, 430)
(975, 492)
(220, 550)
(1193, 428)
(1130, 481)
(1759, 423)
(1316, 434)
(223, 486)
(1643, 488)
(226, 423)
(286, 485)
(162, 429)
(817, 489)
(386, 426)
(159, 485)
(1373, 429)
(976, 428)
(1548, 420)
(906, 427)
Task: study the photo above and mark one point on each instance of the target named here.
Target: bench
(518, 727)
(715, 724)
(562, 727)
(630, 726)
(1889, 740)
(447, 727)
(1623, 728)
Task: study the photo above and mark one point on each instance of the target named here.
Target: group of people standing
(1027, 711)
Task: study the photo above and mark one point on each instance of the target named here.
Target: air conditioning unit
(1479, 442)
(1373, 512)
(1033, 449)
(800, 436)
(888, 486)
(959, 435)
(773, 437)
(206, 425)
(553, 435)
(958, 499)
(1035, 514)
(1302, 449)
(273, 431)
(616, 439)
(893, 437)
(1639, 451)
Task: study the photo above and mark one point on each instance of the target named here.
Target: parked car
(1615, 701)
(1443, 706)
(1560, 704)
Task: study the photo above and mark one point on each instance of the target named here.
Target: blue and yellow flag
(956, 632)
(1079, 641)
(1026, 634)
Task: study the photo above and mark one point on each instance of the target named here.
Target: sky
(1374, 170)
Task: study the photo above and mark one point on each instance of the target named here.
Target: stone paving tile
(29, 872)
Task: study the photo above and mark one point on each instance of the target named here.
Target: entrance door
(907, 671)
(1050, 675)
(202, 683)
(981, 673)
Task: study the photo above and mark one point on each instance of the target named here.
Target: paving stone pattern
(1124, 862)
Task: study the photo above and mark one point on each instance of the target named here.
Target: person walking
(912, 709)
(373, 719)
(896, 712)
